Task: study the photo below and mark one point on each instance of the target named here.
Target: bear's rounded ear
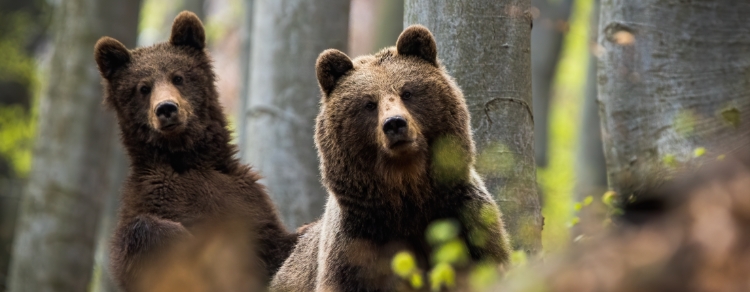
(416, 40)
(110, 56)
(187, 30)
(331, 65)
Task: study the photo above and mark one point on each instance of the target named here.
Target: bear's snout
(395, 127)
(396, 130)
(166, 112)
(169, 111)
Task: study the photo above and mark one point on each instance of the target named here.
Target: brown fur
(384, 189)
(183, 171)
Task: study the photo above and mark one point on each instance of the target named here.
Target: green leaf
(698, 152)
(452, 252)
(416, 281)
(403, 264)
(482, 277)
(574, 221)
(442, 275)
(442, 231)
(578, 206)
(669, 160)
(518, 258)
(588, 200)
(608, 198)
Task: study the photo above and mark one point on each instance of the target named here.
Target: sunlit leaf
(442, 275)
(403, 264)
(518, 258)
(578, 206)
(442, 230)
(482, 277)
(608, 198)
(453, 252)
(416, 281)
(574, 221)
(721, 157)
(449, 161)
(588, 200)
(669, 160)
(698, 152)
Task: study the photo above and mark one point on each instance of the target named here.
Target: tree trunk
(546, 45)
(591, 171)
(71, 172)
(484, 45)
(22, 25)
(673, 77)
(283, 99)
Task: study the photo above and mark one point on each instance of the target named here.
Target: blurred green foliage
(16, 135)
(558, 178)
(18, 66)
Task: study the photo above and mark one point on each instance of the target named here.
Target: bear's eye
(370, 106)
(406, 95)
(177, 80)
(145, 90)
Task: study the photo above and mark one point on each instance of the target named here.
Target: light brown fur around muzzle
(391, 106)
(164, 92)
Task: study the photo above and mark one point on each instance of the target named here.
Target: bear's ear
(416, 40)
(110, 56)
(331, 65)
(187, 30)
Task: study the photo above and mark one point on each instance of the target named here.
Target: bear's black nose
(166, 109)
(394, 126)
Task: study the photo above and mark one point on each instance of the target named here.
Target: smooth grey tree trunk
(71, 173)
(591, 171)
(546, 45)
(485, 46)
(283, 99)
(673, 76)
(246, 41)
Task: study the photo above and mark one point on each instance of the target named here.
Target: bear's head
(164, 95)
(396, 117)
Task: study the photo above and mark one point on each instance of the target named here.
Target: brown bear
(183, 172)
(396, 153)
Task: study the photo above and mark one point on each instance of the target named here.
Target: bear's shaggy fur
(183, 173)
(396, 154)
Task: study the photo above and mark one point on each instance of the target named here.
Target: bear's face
(390, 110)
(162, 92)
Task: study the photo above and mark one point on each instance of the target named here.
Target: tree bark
(22, 26)
(283, 99)
(673, 76)
(485, 46)
(71, 172)
(591, 171)
(546, 45)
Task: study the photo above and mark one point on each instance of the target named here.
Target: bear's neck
(208, 148)
(405, 220)
(374, 210)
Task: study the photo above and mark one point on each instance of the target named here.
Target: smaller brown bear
(183, 173)
(396, 154)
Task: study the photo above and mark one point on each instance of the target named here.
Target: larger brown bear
(183, 171)
(396, 153)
